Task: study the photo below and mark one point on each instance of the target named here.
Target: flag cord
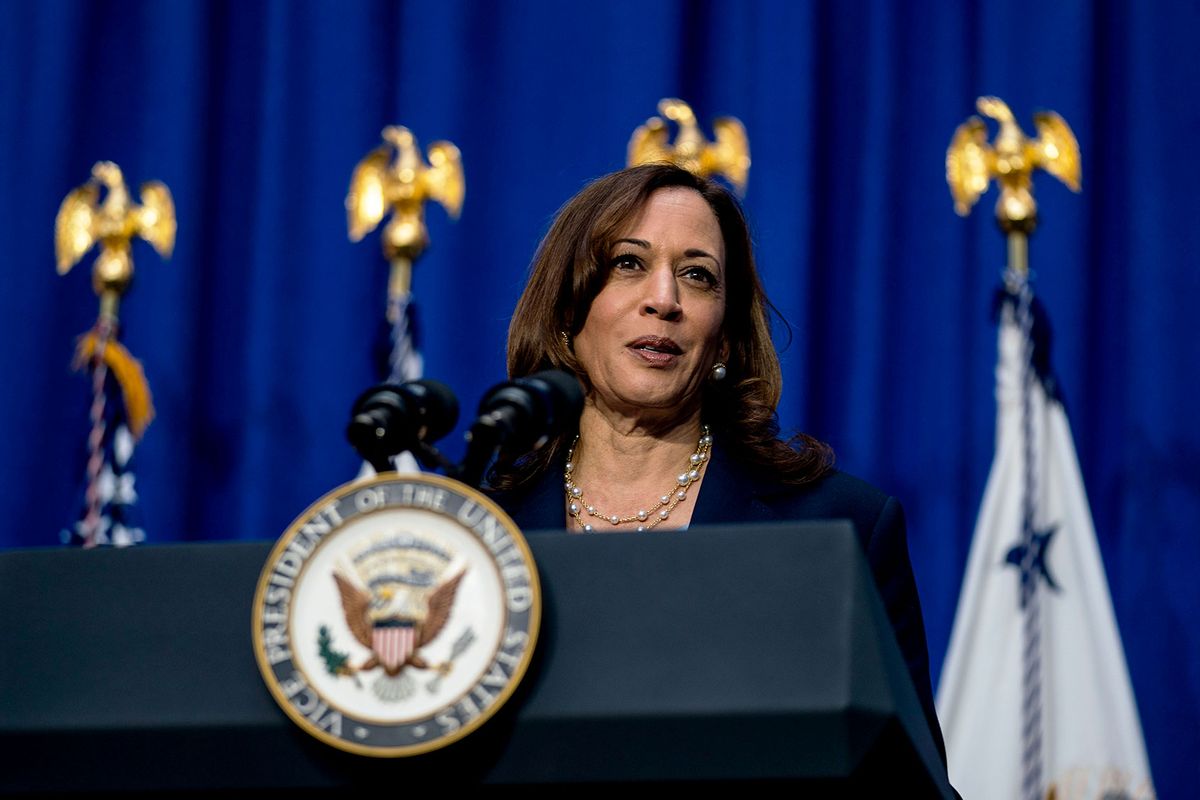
(95, 463)
(1031, 673)
(402, 342)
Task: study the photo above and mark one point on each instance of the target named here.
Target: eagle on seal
(394, 635)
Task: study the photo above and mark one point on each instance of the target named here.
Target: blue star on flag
(1031, 560)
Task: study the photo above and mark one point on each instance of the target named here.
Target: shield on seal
(392, 640)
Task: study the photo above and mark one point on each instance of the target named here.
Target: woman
(645, 288)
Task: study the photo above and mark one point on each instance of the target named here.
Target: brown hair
(569, 270)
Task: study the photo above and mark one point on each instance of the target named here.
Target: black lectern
(748, 654)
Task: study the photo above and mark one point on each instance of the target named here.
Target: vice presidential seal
(396, 614)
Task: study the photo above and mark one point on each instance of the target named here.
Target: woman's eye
(701, 274)
(625, 262)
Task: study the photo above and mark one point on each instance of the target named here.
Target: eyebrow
(638, 242)
(691, 252)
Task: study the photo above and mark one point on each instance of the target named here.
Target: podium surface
(757, 653)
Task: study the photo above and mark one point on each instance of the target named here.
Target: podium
(755, 654)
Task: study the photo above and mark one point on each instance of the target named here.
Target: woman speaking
(645, 288)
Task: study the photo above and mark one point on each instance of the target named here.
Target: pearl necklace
(577, 505)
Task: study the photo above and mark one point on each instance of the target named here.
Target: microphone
(390, 418)
(520, 415)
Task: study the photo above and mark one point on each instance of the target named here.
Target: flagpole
(1016, 216)
(84, 221)
(1035, 698)
(1018, 254)
(1031, 656)
(105, 330)
(393, 180)
(399, 281)
(971, 165)
(399, 294)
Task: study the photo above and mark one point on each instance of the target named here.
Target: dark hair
(570, 269)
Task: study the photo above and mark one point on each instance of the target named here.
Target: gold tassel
(139, 408)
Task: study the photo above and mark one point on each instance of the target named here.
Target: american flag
(404, 362)
(119, 412)
(401, 362)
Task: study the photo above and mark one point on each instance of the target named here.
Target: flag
(120, 410)
(403, 363)
(1035, 699)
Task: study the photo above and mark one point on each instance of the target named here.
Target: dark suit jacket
(734, 492)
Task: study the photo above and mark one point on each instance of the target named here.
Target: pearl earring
(718, 371)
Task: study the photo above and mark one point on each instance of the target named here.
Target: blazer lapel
(730, 494)
(541, 506)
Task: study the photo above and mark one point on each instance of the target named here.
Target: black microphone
(391, 418)
(520, 415)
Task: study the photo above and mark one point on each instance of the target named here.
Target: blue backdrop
(259, 333)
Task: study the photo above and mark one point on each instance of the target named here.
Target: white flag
(1092, 745)
(405, 464)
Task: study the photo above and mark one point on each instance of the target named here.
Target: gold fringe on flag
(135, 391)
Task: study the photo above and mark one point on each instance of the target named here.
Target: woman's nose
(662, 295)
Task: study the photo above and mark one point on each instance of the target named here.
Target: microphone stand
(483, 440)
(431, 458)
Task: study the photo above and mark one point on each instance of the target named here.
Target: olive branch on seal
(336, 662)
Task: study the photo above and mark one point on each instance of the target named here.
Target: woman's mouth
(655, 349)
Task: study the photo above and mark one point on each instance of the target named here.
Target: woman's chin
(653, 401)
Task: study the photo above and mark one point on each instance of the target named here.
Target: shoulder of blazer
(538, 505)
(734, 491)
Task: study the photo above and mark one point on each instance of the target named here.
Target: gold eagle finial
(728, 155)
(402, 184)
(1011, 159)
(84, 220)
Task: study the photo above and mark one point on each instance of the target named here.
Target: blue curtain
(260, 331)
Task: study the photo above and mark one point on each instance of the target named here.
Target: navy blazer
(734, 492)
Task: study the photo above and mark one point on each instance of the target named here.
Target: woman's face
(654, 331)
